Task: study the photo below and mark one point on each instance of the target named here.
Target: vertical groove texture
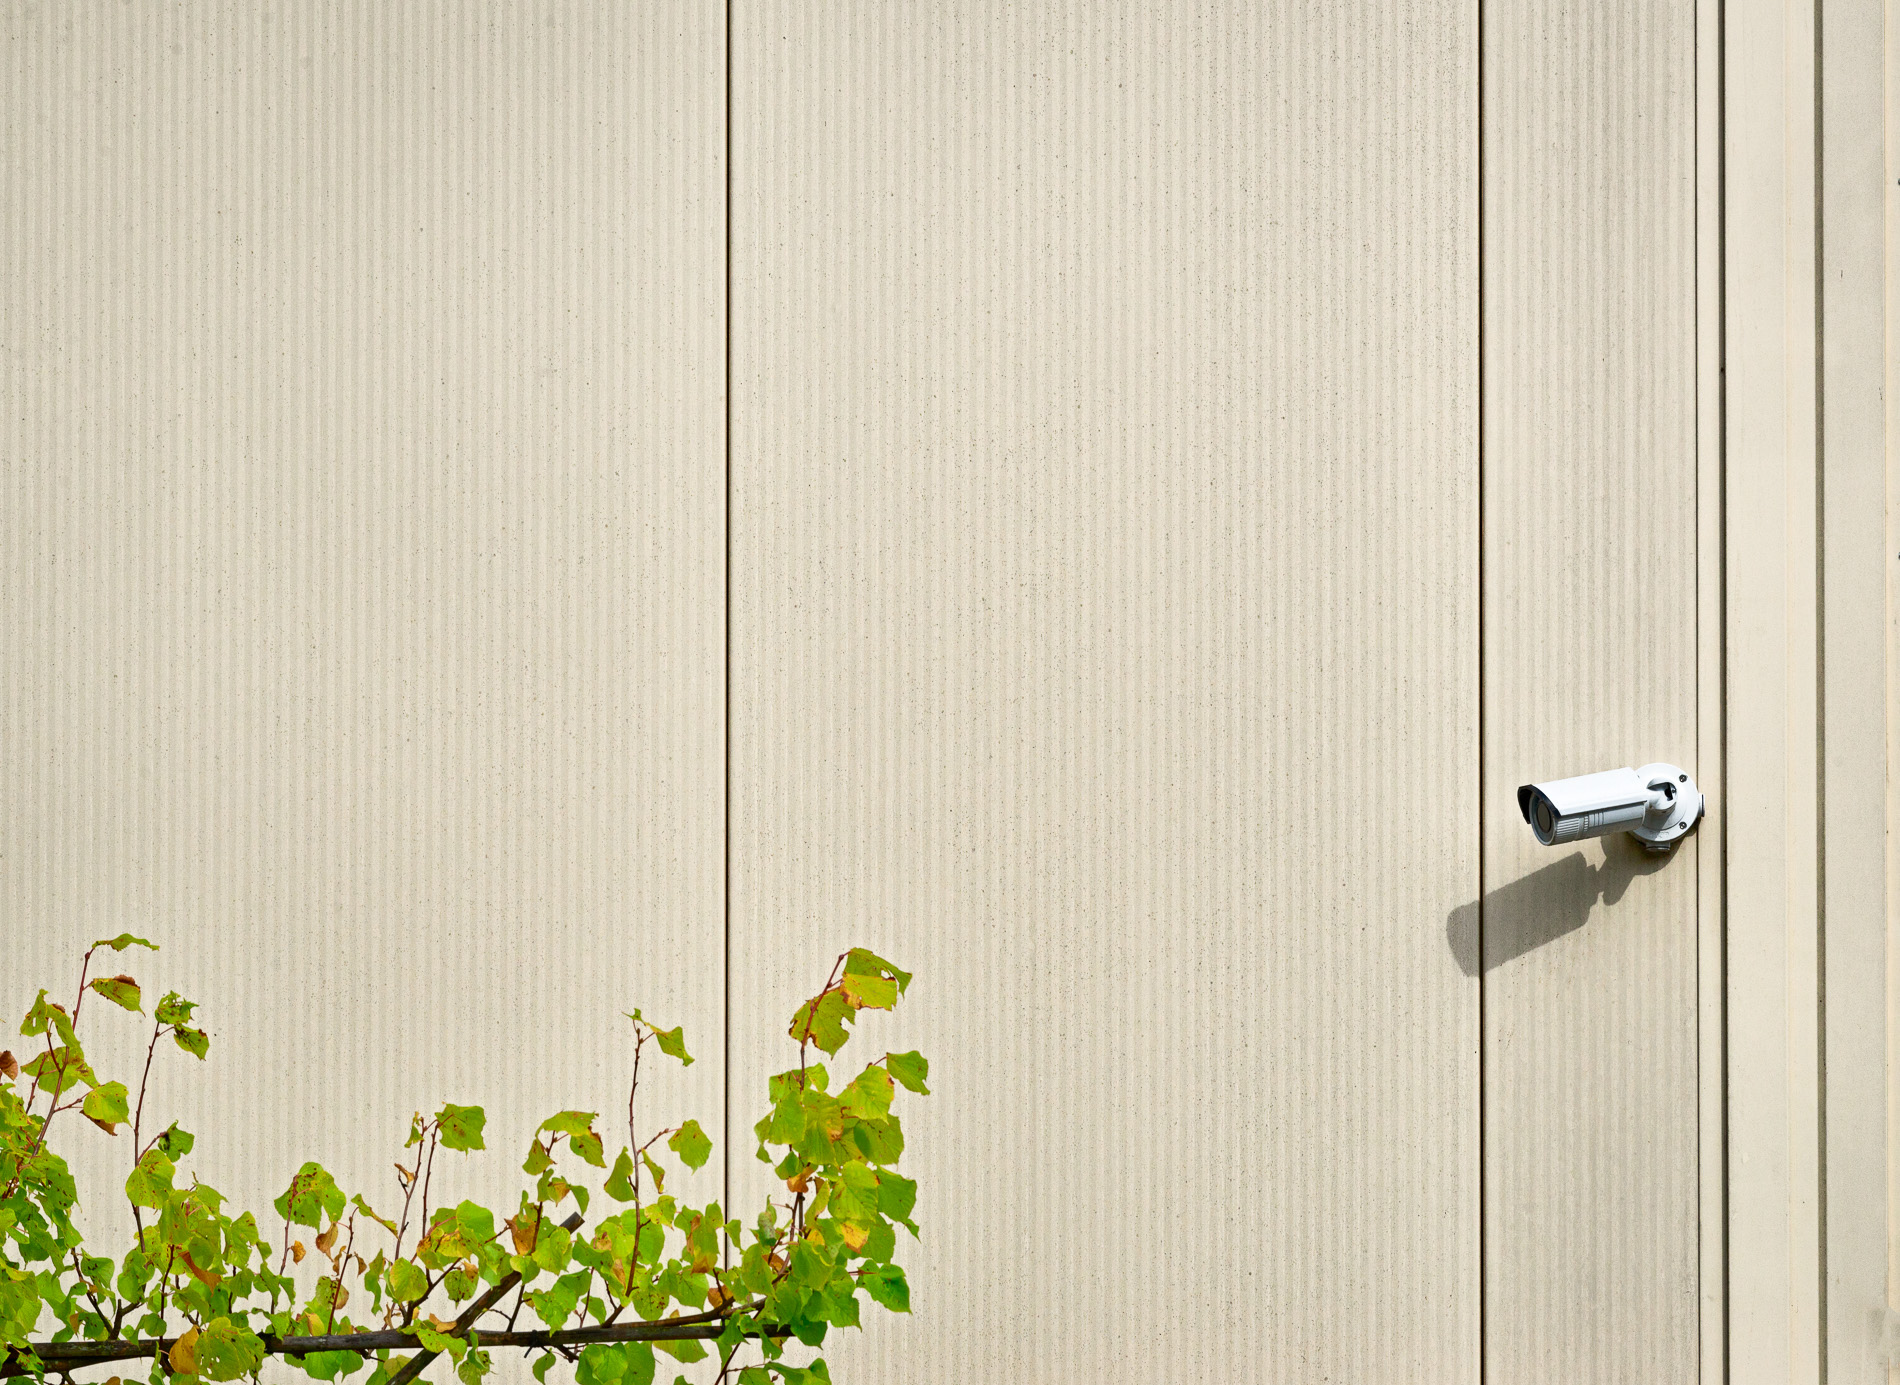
(1104, 587)
(361, 369)
(1590, 661)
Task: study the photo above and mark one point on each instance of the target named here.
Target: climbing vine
(603, 1280)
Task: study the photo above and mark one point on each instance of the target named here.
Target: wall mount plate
(1661, 830)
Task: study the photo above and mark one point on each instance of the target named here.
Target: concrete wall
(510, 507)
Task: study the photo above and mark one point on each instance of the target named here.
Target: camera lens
(1541, 814)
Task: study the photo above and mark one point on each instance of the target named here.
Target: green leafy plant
(202, 1294)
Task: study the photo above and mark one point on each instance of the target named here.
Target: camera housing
(1657, 804)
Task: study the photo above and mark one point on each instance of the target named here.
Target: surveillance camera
(1657, 804)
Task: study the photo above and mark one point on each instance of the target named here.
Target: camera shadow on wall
(1543, 906)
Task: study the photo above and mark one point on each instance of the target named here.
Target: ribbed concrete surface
(1105, 600)
(1590, 663)
(361, 555)
(1106, 603)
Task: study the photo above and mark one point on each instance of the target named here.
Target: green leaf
(476, 1222)
(193, 1041)
(434, 1340)
(228, 1350)
(886, 1284)
(407, 1282)
(692, 1145)
(896, 1196)
(150, 1183)
(356, 1201)
(554, 1305)
(868, 1095)
(461, 1126)
(123, 941)
(822, 1018)
(328, 1365)
(59, 1070)
(588, 1148)
(552, 1247)
(473, 1367)
(686, 1350)
(619, 1184)
(570, 1122)
(910, 1069)
(38, 1015)
(870, 992)
(176, 1141)
(673, 1044)
(106, 1107)
(538, 1158)
(841, 1303)
(174, 1009)
(122, 991)
(654, 1171)
(858, 962)
(629, 1363)
(311, 1195)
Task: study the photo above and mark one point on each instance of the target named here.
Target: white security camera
(1657, 804)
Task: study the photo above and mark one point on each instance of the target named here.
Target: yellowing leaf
(297, 1252)
(521, 1228)
(799, 1181)
(203, 1276)
(326, 1239)
(120, 990)
(9, 1065)
(356, 1201)
(870, 992)
(105, 1107)
(184, 1353)
(123, 941)
(859, 962)
(854, 1235)
(821, 1020)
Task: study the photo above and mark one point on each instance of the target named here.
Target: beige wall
(1810, 645)
(1105, 607)
(1590, 511)
(361, 555)
(1188, 463)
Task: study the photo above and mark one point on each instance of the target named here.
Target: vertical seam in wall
(1721, 603)
(1820, 688)
(1483, 804)
(725, 1121)
(1695, 296)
